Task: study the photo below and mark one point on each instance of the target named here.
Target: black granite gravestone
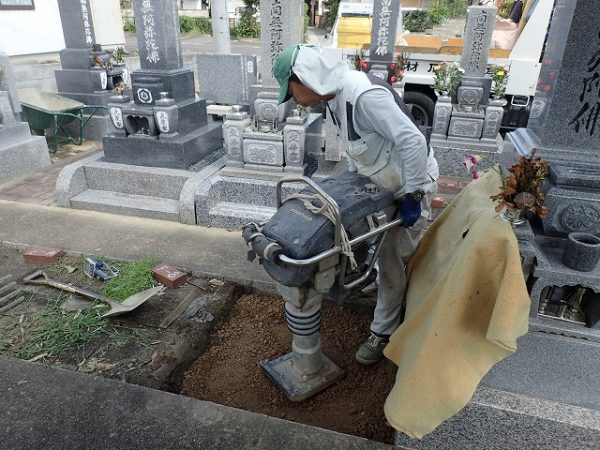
(564, 123)
(88, 75)
(383, 30)
(165, 125)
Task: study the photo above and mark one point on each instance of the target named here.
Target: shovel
(116, 308)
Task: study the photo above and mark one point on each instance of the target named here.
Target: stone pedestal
(441, 118)
(233, 131)
(294, 141)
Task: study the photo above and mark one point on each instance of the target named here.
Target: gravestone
(269, 142)
(20, 152)
(473, 124)
(563, 123)
(281, 25)
(88, 74)
(226, 79)
(165, 125)
(383, 36)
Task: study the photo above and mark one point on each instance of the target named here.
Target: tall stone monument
(473, 123)
(88, 74)
(20, 152)
(564, 120)
(281, 25)
(383, 37)
(165, 125)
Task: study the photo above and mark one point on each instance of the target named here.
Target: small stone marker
(170, 276)
(42, 255)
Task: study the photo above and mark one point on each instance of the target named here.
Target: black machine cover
(303, 234)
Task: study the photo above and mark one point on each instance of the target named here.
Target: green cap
(282, 70)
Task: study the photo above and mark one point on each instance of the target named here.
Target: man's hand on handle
(410, 208)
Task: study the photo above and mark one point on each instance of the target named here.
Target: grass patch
(52, 330)
(133, 277)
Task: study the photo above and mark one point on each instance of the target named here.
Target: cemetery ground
(210, 352)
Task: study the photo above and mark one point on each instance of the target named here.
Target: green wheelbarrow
(44, 110)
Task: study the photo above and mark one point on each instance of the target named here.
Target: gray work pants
(399, 245)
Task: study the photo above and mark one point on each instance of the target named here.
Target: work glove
(410, 210)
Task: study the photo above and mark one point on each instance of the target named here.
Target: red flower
(363, 65)
(401, 74)
(393, 79)
(393, 66)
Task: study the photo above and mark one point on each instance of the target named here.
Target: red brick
(438, 202)
(42, 255)
(171, 277)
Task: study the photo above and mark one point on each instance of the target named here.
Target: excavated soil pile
(228, 372)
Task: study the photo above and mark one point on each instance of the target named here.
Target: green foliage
(52, 330)
(504, 8)
(186, 24)
(457, 8)
(129, 26)
(247, 27)
(417, 21)
(203, 25)
(119, 55)
(447, 77)
(133, 277)
(439, 12)
(333, 9)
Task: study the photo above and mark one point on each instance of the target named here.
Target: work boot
(371, 351)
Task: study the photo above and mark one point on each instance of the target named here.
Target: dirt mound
(228, 372)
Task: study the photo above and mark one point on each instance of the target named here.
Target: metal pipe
(337, 249)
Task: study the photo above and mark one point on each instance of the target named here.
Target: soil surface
(229, 374)
(133, 348)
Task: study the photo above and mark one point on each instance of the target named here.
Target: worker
(384, 144)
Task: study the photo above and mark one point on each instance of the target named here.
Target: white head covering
(318, 74)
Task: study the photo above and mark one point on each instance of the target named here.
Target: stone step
(233, 215)
(495, 419)
(136, 180)
(244, 191)
(128, 204)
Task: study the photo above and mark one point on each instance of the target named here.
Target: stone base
(230, 202)
(158, 193)
(495, 419)
(23, 156)
(450, 153)
(179, 153)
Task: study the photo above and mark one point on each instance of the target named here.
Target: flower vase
(512, 215)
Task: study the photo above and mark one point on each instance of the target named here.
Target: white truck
(523, 60)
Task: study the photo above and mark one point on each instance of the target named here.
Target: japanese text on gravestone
(587, 116)
(383, 35)
(149, 35)
(86, 22)
(275, 29)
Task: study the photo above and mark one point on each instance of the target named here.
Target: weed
(52, 330)
(133, 277)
